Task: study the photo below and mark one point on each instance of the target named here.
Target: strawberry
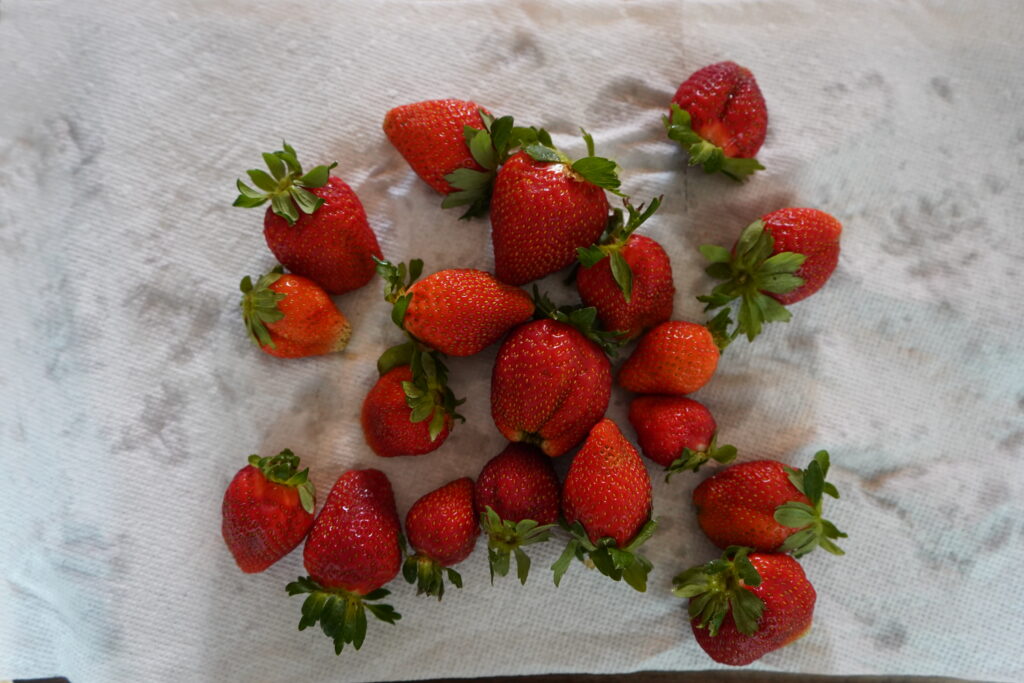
(769, 507)
(780, 259)
(747, 604)
(627, 278)
(677, 432)
(517, 500)
(719, 116)
(393, 427)
(442, 529)
(351, 552)
(267, 510)
(606, 501)
(316, 225)
(290, 316)
(673, 358)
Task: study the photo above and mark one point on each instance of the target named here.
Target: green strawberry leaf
(622, 274)
(285, 186)
(259, 306)
(719, 587)
(341, 615)
(703, 153)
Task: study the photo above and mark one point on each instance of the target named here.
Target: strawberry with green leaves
(442, 529)
(674, 358)
(677, 433)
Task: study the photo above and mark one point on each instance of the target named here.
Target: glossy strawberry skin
(385, 419)
(788, 611)
(430, 136)
(462, 311)
(540, 213)
(737, 505)
(674, 358)
(667, 425)
(333, 246)
(443, 525)
(549, 386)
(810, 232)
(312, 325)
(726, 108)
(354, 541)
(519, 483)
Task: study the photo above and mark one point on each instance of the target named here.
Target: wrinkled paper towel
(129, 394)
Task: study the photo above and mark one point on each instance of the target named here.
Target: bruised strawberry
(442, 529)
(677, 433)
(392, 427)
(675, 358)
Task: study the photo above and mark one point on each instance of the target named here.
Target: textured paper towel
(129, 394)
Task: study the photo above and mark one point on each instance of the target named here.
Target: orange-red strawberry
(743, 606)
(517, 500)
(606, 500)
(769, 507)
(719, 116)
(442, 529)
(316, 225)
(675, 358)
(290, 316)
(677, 432)
(392, 427)
(351, 552)
(267, 510)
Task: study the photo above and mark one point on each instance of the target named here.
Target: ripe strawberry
(627, 278)
(351, 552)
(744, 606)
(316, 225)
(677, 432)
(768, 507)
(267, 510)
(606, 500)
(516, 499)
(719, 116)
(442, 529)
(290, 316)
(673, 358)
(393, 427)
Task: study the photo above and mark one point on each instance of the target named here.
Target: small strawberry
(606, 501)
(316, 225)
(442, 529)
(744, 606)
(677, 432)
(290, 316)
(517, 501)
(267, 510)
(627, 278)
(769, 507)
(780, 259)
(351, 552)
(719, 116)
(673, 358)
(400, 418)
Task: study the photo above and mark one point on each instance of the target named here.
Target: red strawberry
(744, 606)
(517, 501)
(719, 116)
(673, 358)
(316, 225)
(627, 278)
(267, 510)
(677, 432)
(442, 528)
(351, 552)
(769, 507)
(392, 427)
(606, 500)
(290, 316)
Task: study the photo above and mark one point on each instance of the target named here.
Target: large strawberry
(442, 529)
(769, 507)
(267, 510)
(517, 499)
(747, 604)
(780, 259)
(677, 433)
(351, 552)
(674, 358)
(290, 316)
(718, 116)
(400, 418)
(315, 225)
(627, 277)
(606, 501)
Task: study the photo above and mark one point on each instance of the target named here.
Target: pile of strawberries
(552, 378)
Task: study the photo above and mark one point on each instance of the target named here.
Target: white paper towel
(129, 394)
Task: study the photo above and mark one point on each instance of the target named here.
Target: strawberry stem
(285, 187)
(283, 469)
(619, 564)
(341, 614)
(259, 306)
(709, 156)
(506, 538)
(719, 587)
(812, 530)
(692, 460)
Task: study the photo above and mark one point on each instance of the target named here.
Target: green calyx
(259, 306)
(285, 186)
(749, 274)
(619, 564)
(506, 539)
(583, 318)
(616, 234)
(490, 147)
(283, 469)
(717, 588)
(594, 169)
(692, 460)
(813, 530)
(704, 153)
(342, 615)
(397, 281)
(428, 575)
